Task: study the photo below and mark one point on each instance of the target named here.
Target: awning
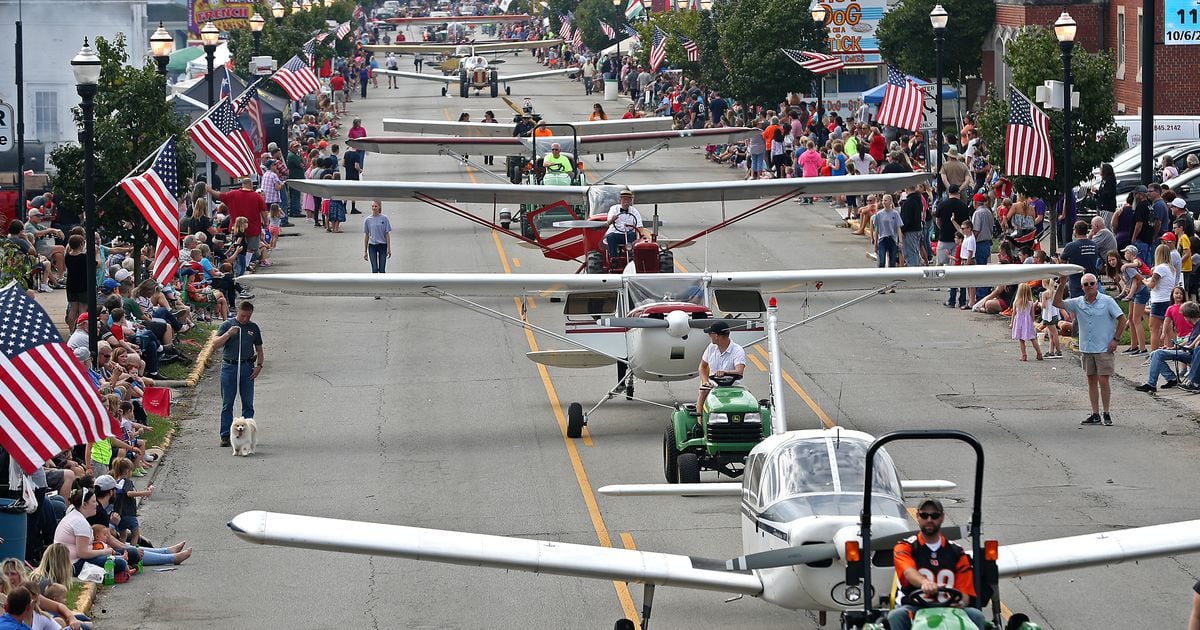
(181, 57)
(874, 96)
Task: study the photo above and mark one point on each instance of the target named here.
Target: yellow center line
(758, 364)
(585, 487)
(516, 262)
(627, 541)
(812, 404)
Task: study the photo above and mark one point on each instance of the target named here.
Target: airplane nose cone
(677, 324)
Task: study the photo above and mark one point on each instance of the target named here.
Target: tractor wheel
(575, 420)
(495, 89)
(595, 262)
(666, 261)
(689, 467)
(443, 91)
(507, 91)
(624, 624)
(670, 453)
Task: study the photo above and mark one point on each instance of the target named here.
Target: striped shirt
(270, 186)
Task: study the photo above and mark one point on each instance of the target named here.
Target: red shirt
(117, 331)
(337, 83)
(245, 203)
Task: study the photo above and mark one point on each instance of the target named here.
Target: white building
(53, 33)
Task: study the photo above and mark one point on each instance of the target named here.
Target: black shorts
(79, 298)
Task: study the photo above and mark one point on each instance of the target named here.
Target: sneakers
(1092, 420)
(245, 295)
(1054, 355)
(1130, 351)
(1146, 387)
(1107, 419)
(45, 288)
(1170, 384)
(139, 472)
(1189, 386)
(225, 441)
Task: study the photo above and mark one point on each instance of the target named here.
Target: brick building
(1113, 25)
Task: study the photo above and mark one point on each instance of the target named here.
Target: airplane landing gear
(576, 420)
(443, 91)
(647, 601)
(507, 91)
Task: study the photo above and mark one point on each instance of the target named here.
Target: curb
(201, 362)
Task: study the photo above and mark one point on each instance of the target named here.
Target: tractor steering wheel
(555, 167)
(916, 599)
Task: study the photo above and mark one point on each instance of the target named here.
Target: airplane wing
(460, 19)
(587, 145)
(1103, 548)
(411, 49)
(495, 47)
(420, 76)
(481, 550)
(421, 284)
(509, 78)
(504, 130)
(865, 279)
(693, 192)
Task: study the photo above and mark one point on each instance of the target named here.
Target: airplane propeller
(805, 554)
(654, 322)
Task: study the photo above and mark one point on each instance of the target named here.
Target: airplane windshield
(648, 289)
(804, 467)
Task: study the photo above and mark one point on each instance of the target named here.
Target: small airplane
(801, 497)
(476, 72)
(646, 323)
(505, 130)
(464, 19)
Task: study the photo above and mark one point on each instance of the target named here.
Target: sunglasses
(105, 354)
(929, 516)
(1089, 284)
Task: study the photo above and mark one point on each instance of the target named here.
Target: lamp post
(277, 12)
(256, 27)
(161, 47)
(211, 38)
(86, 67)
(296, 7)
(938, 18)
(818, 15)
(1064, 30)
(617, 4)
(328, 3)
(306, 5)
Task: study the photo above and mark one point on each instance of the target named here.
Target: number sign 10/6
(1181, 23)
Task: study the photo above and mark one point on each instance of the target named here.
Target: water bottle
(110, 571)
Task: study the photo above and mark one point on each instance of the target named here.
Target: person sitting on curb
(1185, 352)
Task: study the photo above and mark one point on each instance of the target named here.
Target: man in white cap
(624, 224)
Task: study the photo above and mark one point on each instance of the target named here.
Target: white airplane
(801, 498)
(648, 324)
(505, 130)
(572, 144)
(464, 19)
(475, 71)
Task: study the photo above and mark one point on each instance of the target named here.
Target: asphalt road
(419, 413)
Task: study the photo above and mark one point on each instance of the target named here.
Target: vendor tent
(874, 96)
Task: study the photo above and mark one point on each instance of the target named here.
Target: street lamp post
(211, 38)
(1064, 30)
(277, 12)
(306, 5)
(86, 67)
(617, 3)
(818, 15)
(162, 44)
(938, 18)
(296, 7)
(256, 27)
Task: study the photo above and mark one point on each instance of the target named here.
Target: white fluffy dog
(243, 435)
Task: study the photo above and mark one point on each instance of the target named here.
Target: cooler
(12, 530)
(610, 89)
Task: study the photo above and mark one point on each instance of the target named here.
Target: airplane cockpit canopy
(650, 288)
(475, 63)
(820, 476)
(603, 197)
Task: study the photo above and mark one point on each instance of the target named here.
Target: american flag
(50, 403)
(358, 13)
(297, 79)
(343, 30)
(156, 194)
(248, 107)
(693, 51)
(577, 39)
(321, 37)
(903, 102)
(310, 50)
(219, 135)
(607, 30)
(633, 34)
(633, 8)
(1027, 139)
(658, 49)
(814, 62)
(565, 27)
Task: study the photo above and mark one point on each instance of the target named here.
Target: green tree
(751, 32)
(132, 119)
(587, 18)
(685, 23)
(287, 39)
(711, 68)
(969, 23)
(1034, 59)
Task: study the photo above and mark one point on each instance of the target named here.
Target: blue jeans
(983, 251)
(758, 162)
(148, 346)
(1159, 365)
(153, 557)
(614, 241)
(231, 387)
(119, 563)
(900, 619)
(958, 296)
(1143, 252)
(377, 254)
(166, 315)
(912, 248)
(294, 202)
(886, 252)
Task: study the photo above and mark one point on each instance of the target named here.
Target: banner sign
(1181, 23)
(225, 15)
(851, 26)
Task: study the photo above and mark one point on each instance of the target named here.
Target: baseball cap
(934, 502)
(979, 198)
(718, 327)
(1141, 189)
(82, 318)
(35, 213)
(109, 285)
(1169, 236)
(322, 144)
(1132, 249)
(122, 275)
(105, 482)
(83, 354)
(168, 290)
(1178, 202)
(272, 147)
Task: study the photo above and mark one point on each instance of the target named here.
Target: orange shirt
(769, 135)
(542, 132)
(949, 567)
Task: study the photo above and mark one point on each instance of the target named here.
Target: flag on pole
(156, 193)
(310, 50)
(903, 102)
(607, 30)
(577, 39)
(321, 36)
(358, 13)
(658, 49)
(221, 138)
(51, 404)
(693, 50)
(343, 30)
(632, 33)
(633, 9)
(1027, 139)
(297, 79)
(248, 107)
(565, 27)
(814, 62)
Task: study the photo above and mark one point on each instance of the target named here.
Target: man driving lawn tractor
(722, 357)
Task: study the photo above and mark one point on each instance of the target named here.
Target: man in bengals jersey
(929, 560)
